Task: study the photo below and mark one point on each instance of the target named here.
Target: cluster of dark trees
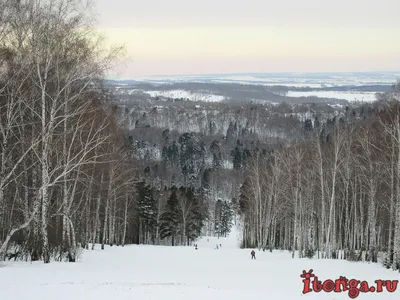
(171, 216)
(208, 146)
(224, 211)
(335, 191)
(210, 165)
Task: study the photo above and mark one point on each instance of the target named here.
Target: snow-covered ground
(174, 273)
(178, 94)
(349, 96)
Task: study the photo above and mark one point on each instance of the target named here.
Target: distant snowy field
(349, 96)
(294, 80)
(205, 97)
(178, 94)
(312, 80)
(176, 273)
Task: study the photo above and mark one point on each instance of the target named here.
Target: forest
(84, 162)
(302, 177)
(65, 171)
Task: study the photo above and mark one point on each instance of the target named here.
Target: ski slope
(230, 242)
(173, 273)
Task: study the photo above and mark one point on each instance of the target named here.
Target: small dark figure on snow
(253, 254)
(195, 246)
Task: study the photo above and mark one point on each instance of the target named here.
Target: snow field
(174, 273)
(349, 96)
(179, 94)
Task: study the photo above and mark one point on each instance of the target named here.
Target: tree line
(66, 175)
(69, 178)
(335, 193)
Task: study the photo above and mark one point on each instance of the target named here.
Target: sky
(219, 36)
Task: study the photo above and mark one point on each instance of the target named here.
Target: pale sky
(172, 37)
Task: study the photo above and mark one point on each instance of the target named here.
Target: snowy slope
(230, 242)
(174, 273)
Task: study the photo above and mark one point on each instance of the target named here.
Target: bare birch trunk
(107, 209)
(125, 219)
(396, 248)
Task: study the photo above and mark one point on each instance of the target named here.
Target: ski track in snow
(174, 273)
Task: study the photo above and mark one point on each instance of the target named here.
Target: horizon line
(252, 73)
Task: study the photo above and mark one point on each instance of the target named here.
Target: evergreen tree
(173, 153)
(217, 217)
(192, 155)
(170, 219)
(216, 152)
(237, 159)
(196, 215)
(212, 128)
(164, 155)
(147, 211)
(235, 205)
(230, 133)
(244, 194)
(225, 223)
(235, 128)
(317, 123)
(166, 134)
(206, 179)
(246, 156)
(131, 141)
(308, 126)
(246, 129)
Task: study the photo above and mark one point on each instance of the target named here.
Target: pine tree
(246, 156)
(237, 158)
(216, 152)
(230, 133)
(226, 219)
(196, 215)
(217, 217)
(164, 155)
(244, 193)
(147, 211)
(308, 126)
(317, 123)
(166, 134)
(173, 153)
(192, 155)
(170, 219)
(212, 128)
(246, 129)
